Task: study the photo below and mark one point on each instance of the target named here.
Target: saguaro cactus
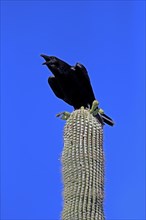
(83, 167)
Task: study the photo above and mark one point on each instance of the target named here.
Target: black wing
(85, 85)
(55, 86)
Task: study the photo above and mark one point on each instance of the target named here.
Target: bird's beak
(50, 62)
(45, 63)
(47, 58)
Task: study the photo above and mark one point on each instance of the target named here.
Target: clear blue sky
(108, 38)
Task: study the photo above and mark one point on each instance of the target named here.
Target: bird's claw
(63, 115)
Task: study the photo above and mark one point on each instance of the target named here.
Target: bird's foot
(63, 115)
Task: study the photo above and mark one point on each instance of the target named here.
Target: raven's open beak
(55, 65)
(47, 58)
(51, 63)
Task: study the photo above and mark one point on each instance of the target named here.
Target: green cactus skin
(83, 167)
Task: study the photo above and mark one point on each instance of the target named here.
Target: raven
(72, 84)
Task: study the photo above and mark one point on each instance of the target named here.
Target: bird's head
(55, 65)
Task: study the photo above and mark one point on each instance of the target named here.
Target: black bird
(72, 84)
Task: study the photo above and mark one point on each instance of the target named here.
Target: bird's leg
(63, 115)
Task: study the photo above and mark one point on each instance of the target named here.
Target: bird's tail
(99, 114)
(103, 118)
(107, 119)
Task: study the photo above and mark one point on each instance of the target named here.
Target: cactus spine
(83, 167)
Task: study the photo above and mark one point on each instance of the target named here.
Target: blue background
(108, 37)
